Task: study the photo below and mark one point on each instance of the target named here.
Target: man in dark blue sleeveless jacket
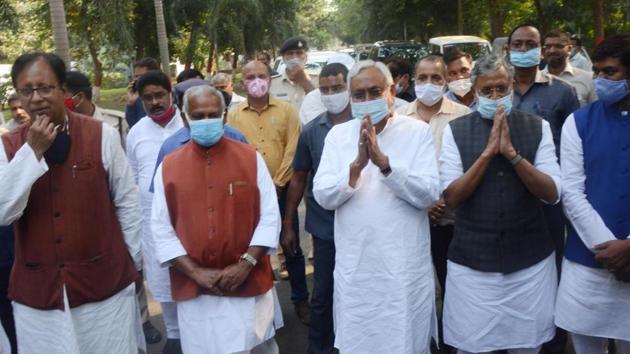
(593, 301)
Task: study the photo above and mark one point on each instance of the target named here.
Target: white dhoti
(591, 302)
(226, 325)
(109, 326)
(491, 311)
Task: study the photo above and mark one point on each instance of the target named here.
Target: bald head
(255, 69)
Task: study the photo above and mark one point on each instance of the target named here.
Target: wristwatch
(249, 258)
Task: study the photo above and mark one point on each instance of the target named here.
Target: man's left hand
(505, 146)
(233, 276)
(376, 155)
(615, 256)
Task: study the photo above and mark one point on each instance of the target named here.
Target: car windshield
(411, 52)
(477, 49)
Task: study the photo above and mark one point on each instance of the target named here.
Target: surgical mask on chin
(487, 106)
(429, 94)
(460, 87)
(611, 91)
(337, 102)
(206, 132)
(377, 109)
(526, 59)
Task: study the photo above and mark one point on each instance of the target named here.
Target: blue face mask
(610, 91)
(525, 59)
(377, 109)
(206, 132)
(487, 107)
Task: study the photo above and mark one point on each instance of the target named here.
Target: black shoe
(303, 311)
(151, 334)
(173, 346)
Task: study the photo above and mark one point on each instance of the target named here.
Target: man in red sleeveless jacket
(74, 206)
(214, 219)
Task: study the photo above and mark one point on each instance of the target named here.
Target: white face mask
(337, 102)
(460, 87)
(429, 94)
(295, 62)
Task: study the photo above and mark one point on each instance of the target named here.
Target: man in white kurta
(209, 323)
(108, 326)
(593, 302)
(143, 145)
(501, 278)
(384, 282)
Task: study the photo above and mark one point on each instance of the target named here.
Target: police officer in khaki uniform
(292, 84)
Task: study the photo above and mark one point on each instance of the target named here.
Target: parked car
(409, 50)
(475, 46)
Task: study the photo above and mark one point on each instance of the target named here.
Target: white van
(472, 45)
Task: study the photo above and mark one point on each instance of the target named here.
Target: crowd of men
(453, 206)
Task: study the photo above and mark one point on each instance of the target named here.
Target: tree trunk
(161, 36)
(60, 33)
(496, 19)
(542, 19)
(210, 59)
(93, 49)
(192, 45)
(460, 17)
(598, 19)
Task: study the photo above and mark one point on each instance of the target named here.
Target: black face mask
(58, 152)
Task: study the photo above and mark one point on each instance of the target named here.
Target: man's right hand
(132, 94)
(494, 141)
(289, 239)
(208, 278)
(41, 135)
(363, 155)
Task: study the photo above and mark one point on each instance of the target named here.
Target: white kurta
(384, 289)
(143, 145)
(486, 311)
(590, 301)
(47, 331)
(217, 324)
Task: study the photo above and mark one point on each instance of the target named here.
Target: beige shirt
(286, 90)
(115, 119)
(581, 80)
(449, 110)
(274, 133)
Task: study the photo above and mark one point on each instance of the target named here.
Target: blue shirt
(551, 99)
(319, 221)
(451, 96)
(182, 136)
(134, 113)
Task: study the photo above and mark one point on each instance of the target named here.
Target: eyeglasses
(527, 45)
(158, 96)
(489, 91)
(43, 91)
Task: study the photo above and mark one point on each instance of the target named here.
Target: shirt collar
(325, 120)
(542, 77)
(567, 69)
(272, 102)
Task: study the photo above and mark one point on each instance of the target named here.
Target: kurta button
(61, 265)
(58, 240)
(209, 162)
(500, 173)
(209, 185)
(211, 209)
(57, 214)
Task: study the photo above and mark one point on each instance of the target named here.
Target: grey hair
(200, 90)
(490, 64)
(366, 64)
(220, 77)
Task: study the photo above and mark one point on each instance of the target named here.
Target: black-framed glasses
(43, 91)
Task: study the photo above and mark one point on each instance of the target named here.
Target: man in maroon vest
(214, 219)
(75, 208)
